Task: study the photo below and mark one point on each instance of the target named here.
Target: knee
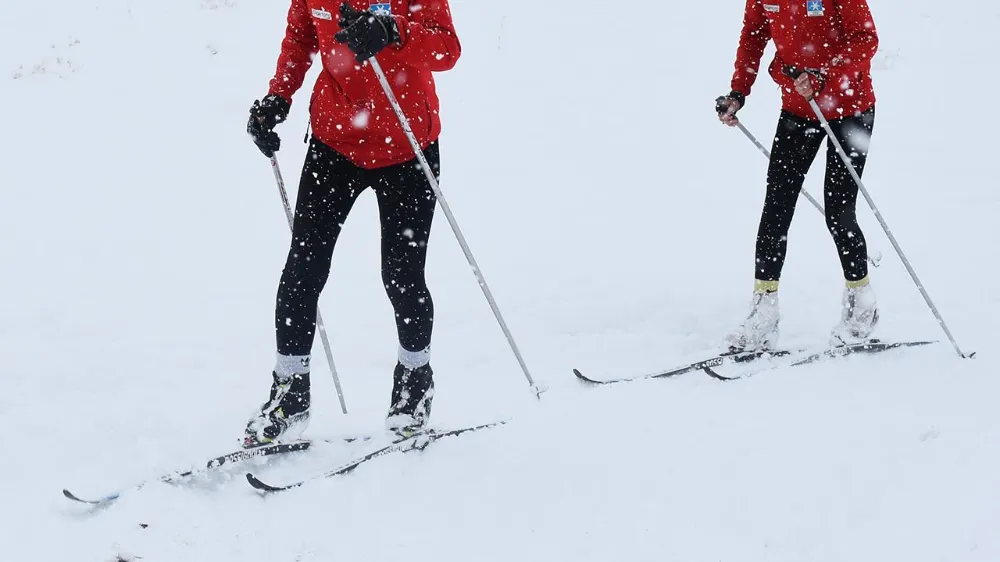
(402, 285)
(841, 220)
(305, 269)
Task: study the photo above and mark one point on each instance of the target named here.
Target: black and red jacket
(348, 110)
(835, 36)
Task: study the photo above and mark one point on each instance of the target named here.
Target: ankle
(761, 286)
(413, 360)
(289, 366)
(858, 283)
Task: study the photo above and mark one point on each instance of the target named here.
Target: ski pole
(794, 73)
(319, 317)
(875, 261)
(404, 122)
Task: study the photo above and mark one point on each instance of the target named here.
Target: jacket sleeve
(428, 37)
(861, 37)
(297, 50)
(756, 33)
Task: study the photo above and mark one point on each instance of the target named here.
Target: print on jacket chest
(323, 13)
(814, 8)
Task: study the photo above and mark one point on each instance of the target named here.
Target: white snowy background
(141, 240)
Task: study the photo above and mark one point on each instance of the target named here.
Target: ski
(414, 441)
(214, 464)
(727, 358)
(870, 347)
(795, 358)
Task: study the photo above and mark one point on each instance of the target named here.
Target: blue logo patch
(384, 8)
(814, 7)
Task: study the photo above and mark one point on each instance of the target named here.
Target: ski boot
(412, 395)
(759, 332)
(285, 416)
(858, 316)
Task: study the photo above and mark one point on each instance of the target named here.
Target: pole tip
(539, 389)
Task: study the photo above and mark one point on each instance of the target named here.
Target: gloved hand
(366, 33)
(727, 106)
(809, 83)
(264, 115)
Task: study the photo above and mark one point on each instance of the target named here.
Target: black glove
(366, 33)
(730, 103)
(264, 115)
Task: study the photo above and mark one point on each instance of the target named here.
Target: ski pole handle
(720, 105)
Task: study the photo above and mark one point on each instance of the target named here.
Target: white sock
(289, 365)
(414, 359)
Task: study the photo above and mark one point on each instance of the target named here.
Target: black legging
(796, 143)
(329, 186)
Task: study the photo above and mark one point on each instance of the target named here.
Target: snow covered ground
(141, 240)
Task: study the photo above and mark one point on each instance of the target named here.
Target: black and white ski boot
(412, 395)
(285, 416)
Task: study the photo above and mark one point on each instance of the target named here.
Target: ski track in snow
(614, 219)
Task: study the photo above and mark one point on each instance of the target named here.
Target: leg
(841, 193)
(859, 309)
(406, 205)
(796, 143)
(327, 192)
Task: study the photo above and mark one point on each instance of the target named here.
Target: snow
(614, 219)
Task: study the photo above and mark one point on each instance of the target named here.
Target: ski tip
(263, 486)
(583, 378)
(711, 372)
(102, 501)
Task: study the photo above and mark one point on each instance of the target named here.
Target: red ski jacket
(836, 36)
(348, 109)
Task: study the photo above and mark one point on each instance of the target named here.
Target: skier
(824, 51)
(357, 143)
